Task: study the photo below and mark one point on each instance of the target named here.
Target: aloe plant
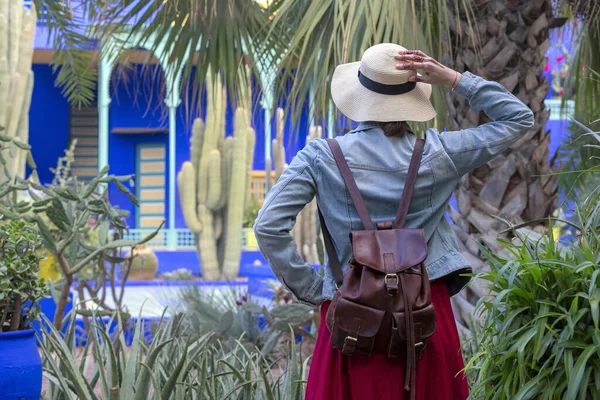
(172, 366)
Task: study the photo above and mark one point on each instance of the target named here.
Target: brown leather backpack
(383, 302)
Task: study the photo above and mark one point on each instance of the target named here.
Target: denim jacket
(379, 165)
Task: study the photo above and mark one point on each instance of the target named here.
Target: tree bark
(15, 316)
(510, 47)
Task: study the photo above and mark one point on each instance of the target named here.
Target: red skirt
(334, 376)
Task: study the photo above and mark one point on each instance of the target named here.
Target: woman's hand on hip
(434, 72)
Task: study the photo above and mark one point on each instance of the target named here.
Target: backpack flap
(405, 248)
(355, 327)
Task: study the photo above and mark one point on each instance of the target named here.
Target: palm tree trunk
(510, 49)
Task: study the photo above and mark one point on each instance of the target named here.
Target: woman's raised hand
(433, 72)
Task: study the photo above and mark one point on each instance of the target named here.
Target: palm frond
(73, 58)
(319, 35)
(188, 36)
(583, 80)
(581, 172)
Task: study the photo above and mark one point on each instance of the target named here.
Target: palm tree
(510, 46)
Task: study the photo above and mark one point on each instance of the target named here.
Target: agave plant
(237, 318)
(170, 367)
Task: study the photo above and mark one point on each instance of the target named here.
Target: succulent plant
(170, 366)
(62, 213)
(214, 184)
(17, 29)
(306, 228)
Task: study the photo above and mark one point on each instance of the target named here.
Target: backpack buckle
(349, 345)
(391, 283)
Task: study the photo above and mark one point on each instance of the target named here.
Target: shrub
(21, 289)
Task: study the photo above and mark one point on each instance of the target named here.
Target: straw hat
(373, 89)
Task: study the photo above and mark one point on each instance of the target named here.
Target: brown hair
(396, 128)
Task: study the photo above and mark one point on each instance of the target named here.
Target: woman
(384, 91)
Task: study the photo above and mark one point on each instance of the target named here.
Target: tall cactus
(213, 184)
(17, 28)
(305, 230)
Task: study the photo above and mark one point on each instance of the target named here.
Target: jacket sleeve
(285, 200)
(470, 148)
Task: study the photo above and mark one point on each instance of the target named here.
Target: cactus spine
(305, 230)
(17, 29)
(213, 184)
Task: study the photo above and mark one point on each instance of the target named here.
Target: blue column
(172, 101)
(104, 72)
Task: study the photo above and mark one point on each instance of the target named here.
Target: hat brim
(361, 104)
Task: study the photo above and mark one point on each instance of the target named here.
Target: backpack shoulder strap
(409, 186)
(332, 258)
(350, 183)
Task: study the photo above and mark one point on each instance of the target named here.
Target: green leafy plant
(20, 287)
(75, 210)
(171, 366)
(251, 212)
(581, 172)
(541, 333)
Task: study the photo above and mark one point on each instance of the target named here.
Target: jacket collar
(363, 126)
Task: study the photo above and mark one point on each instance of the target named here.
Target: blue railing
(183, 239)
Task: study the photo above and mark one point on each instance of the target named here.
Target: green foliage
(581, 171)
(234, 319)
(583, 81)
(20, 287)
(71, 57)
(67, 214)
(251, 213)
(316, 36)
(62, 172)
(172, 366)
(541, 333)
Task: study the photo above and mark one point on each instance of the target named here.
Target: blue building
(140, 123)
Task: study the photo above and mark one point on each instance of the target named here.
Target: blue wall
(48, 121)
(137, 102)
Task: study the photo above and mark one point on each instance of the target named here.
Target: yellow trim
(156, 152)
(152, 166)
(152, 180)
(150, 222)
(152, 194)
(152, 208)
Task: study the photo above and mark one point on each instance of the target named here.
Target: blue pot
(20, 366)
